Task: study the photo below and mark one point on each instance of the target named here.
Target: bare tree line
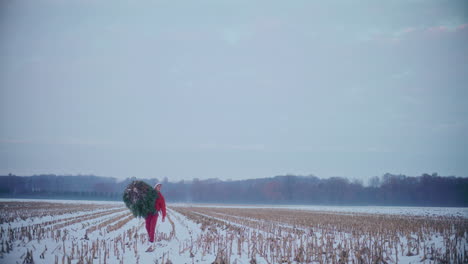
(389, 189)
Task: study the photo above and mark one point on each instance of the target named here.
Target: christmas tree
(139, 197)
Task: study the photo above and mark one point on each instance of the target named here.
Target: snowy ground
(107, 233)
(127, 244)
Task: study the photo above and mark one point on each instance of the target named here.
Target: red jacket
(160, 204)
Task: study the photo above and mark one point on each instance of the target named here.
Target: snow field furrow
(257, 224)
(227, 241)
(13, 211)
(258, 230)
(51, 219)
(176, 240)
(70, 243)
(120, 223)
(81, 219)
(49, 228)
(238, 235)
(183, 233)
(362, 238)
(109, 221)
(106, 246)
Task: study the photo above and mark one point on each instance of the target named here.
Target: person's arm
(156, 206)
(163, 207)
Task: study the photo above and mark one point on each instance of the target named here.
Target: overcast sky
(233, 89)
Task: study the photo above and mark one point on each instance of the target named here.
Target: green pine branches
(139, 197)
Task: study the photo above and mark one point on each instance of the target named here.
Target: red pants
(151, 221)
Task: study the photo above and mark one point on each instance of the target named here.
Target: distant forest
(396, 190)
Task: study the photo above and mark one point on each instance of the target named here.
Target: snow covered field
(394, 210)
(49, 231)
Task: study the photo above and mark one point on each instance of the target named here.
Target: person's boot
(150, 248)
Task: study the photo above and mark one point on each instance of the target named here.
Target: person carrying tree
(152, 218)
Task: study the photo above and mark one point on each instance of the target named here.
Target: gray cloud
(233, 89)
